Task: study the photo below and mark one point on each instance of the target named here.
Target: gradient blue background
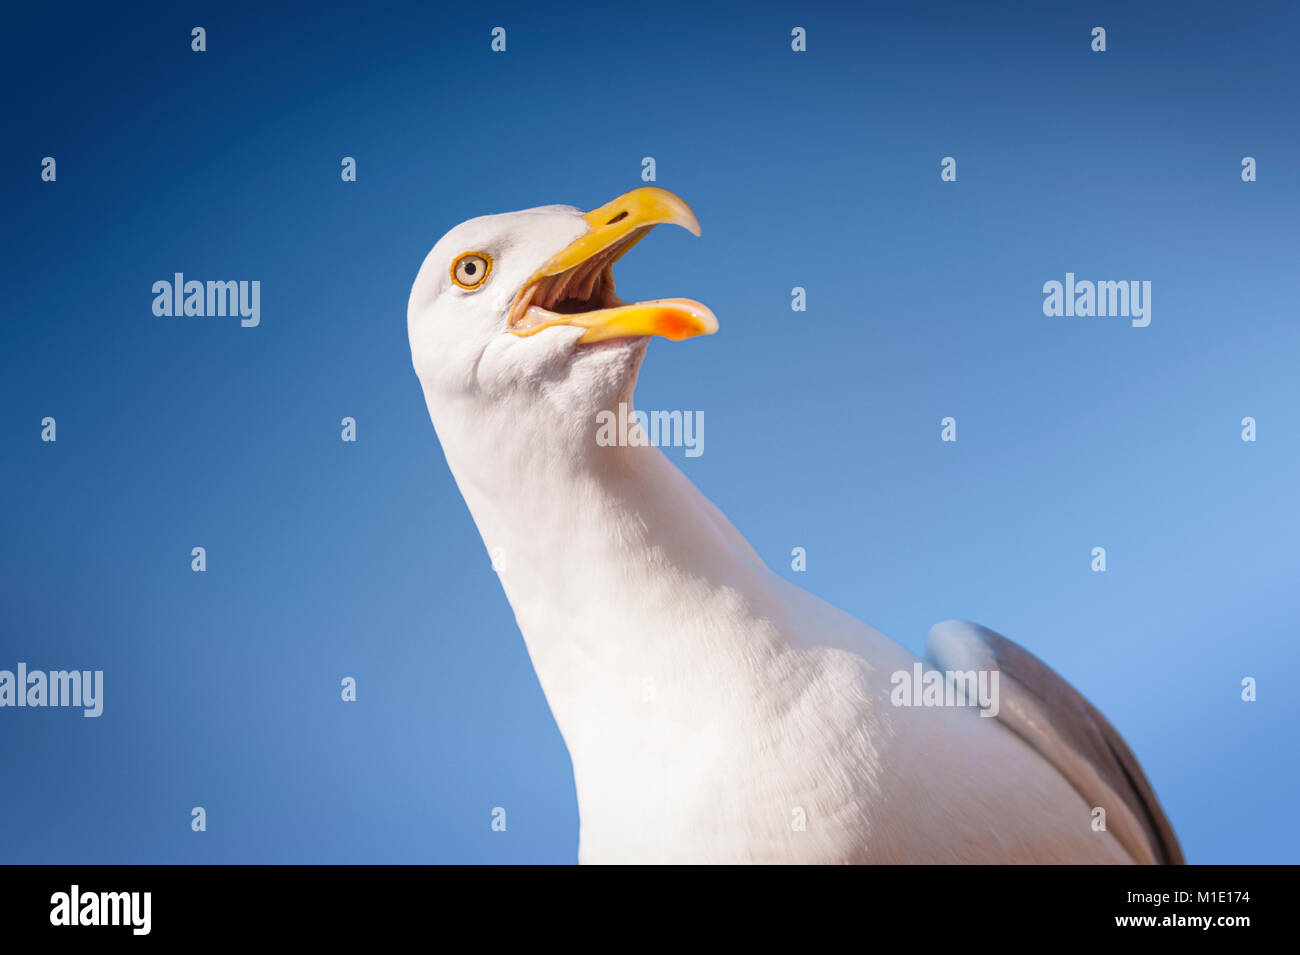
(328, 559)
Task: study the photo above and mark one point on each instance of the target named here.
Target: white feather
(768, 703)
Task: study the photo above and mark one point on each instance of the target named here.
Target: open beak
(575, 287)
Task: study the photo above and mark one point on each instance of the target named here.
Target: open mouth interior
(587, 287)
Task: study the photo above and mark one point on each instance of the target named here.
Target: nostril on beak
(621, 215)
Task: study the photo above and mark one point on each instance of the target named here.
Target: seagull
(713, 711)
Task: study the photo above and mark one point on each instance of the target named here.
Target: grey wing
(1068, 731)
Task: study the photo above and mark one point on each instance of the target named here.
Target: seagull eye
(471, 269)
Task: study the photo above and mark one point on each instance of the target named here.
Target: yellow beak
(576, 282)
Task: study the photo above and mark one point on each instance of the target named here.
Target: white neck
(655, 629)
(634, 538)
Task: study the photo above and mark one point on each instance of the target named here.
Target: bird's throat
(617, 567)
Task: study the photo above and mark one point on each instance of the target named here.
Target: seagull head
(514, 315)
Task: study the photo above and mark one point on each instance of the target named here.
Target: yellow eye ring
(471, 270)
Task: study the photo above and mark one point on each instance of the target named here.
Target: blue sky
(819, 169)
